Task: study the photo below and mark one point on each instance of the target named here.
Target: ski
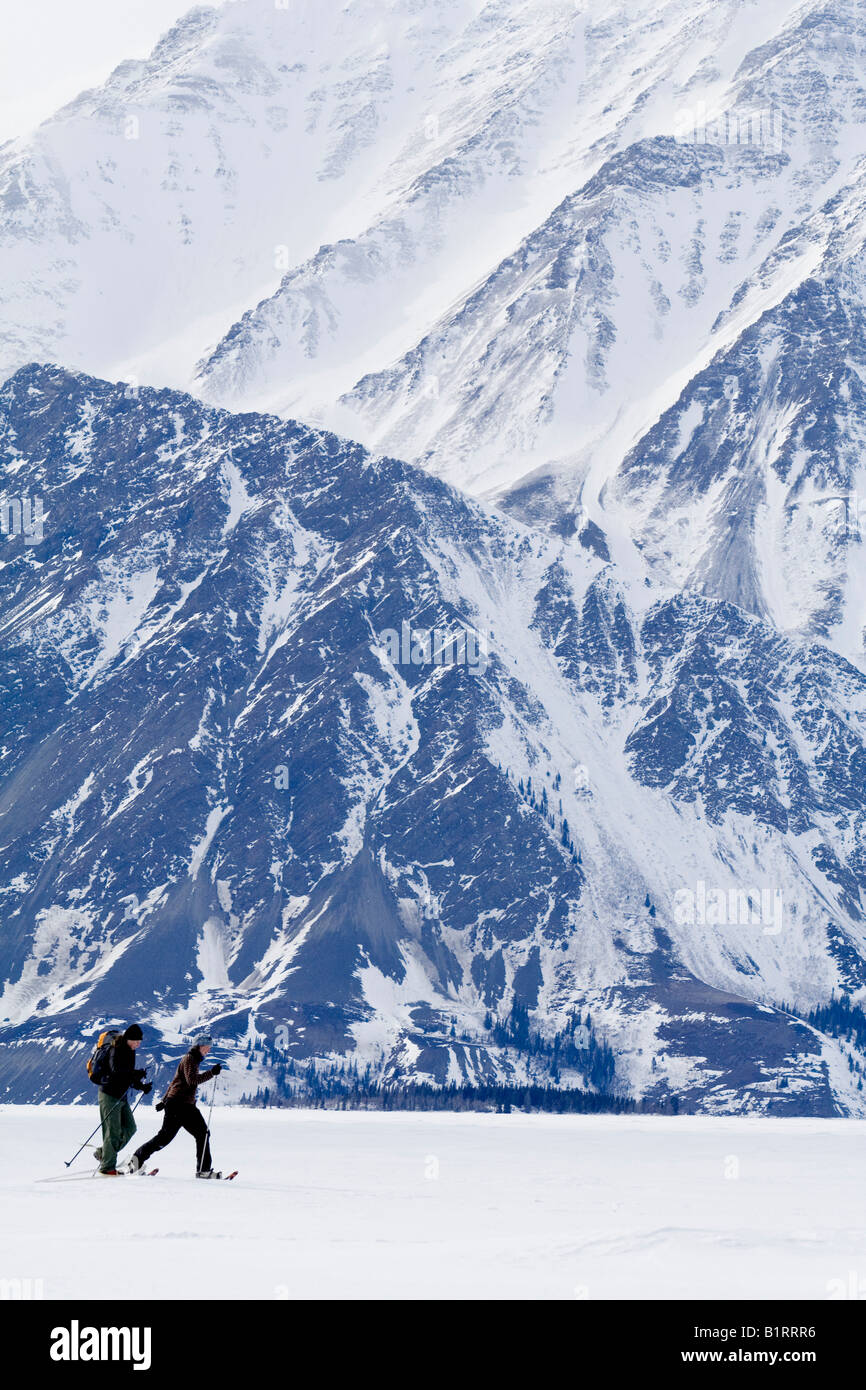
(67, 1177)
(82, 1177)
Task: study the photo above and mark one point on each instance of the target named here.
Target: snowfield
(370, 1205)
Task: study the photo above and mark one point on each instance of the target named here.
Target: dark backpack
(98, 1068)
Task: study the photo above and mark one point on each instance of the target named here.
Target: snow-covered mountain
(520, 242)
(622, 800)
(597, 275)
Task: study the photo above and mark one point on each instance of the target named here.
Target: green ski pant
(118, 1127)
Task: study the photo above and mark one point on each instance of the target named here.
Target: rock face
(240, 788)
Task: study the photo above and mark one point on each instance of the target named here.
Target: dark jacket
(187, 1078)
(122, 1071)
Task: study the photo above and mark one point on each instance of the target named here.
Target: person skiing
(118, 1123)
(182, 1112)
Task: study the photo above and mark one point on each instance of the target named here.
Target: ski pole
(209, 1113)
(90, 1136)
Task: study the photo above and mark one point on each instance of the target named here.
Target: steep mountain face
(175, 197)
(721, 269)
(751, 486)
(520, 243)
(238, 788)
(148, 214)
(383, 156)
(656, 353)
(617, 290)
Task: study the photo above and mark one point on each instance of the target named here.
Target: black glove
(216, 1069)
(139, 1075)
(160, 1105)
(147, 1088)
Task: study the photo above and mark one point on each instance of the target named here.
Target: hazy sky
(50, 50)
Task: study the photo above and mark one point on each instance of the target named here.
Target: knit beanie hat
(133, 1033)
(203, 1040)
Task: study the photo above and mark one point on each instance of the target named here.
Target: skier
(118, 1123)
(181, 1111)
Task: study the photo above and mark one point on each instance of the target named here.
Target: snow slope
(353, 1205)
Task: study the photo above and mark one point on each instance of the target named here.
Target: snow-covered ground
(355, 1205)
